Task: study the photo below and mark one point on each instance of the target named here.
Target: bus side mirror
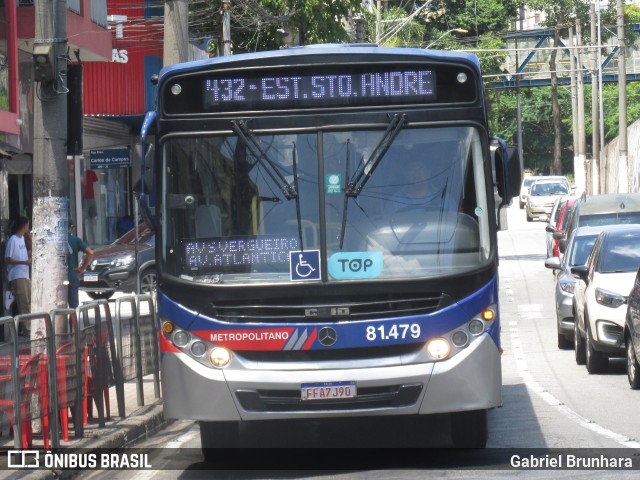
(514, 172)
(147, 154)
(507, 169)
(147, 213)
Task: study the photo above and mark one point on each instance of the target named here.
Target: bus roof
(326, 49)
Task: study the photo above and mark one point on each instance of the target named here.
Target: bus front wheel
(216, 435)
(469, 429)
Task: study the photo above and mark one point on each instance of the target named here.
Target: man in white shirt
(18, 261)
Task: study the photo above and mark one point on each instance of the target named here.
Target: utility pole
(226, 27)
(574, 98)
(518, 99)
(176, 31)
(50, 177)
(378, 21)
(623, 167)
(600, 95)
(358, 22)
(582, 138)
(595, 128)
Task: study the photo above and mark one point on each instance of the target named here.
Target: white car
(543, 195)
(525, 187)
(600, 296)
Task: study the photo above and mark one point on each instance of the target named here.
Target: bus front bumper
(471, 380)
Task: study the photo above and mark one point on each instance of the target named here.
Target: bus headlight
(220, 357)
(459, 338)
(181, 339)
(198, 348)
(449, 344)
(476, 327)
(438, 348)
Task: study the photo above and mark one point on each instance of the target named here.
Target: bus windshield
(235, 210)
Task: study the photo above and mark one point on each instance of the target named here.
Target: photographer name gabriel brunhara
(568, 461)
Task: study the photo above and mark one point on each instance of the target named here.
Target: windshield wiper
(240, 128)
(362, 175)
(364, 172)
(345, 203)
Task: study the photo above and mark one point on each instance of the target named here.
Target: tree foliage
(537, 124)
(480, 17)
(258, 25)
(410, 33)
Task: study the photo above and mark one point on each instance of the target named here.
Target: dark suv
(601, 210)
(114, 267)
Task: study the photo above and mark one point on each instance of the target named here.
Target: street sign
(110, 158)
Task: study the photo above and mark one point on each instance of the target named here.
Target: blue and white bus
(326, 238)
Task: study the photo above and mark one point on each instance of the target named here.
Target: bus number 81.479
(394, 332)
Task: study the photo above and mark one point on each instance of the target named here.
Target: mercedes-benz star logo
(327, 336)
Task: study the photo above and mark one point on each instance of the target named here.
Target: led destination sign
(239, 253)
(319, 85)
(401, 84)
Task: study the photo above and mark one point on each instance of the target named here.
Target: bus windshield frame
(423, 213)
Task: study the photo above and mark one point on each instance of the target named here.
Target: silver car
(543, 195)
(578, 249)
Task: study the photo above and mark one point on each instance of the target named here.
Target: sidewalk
(139, 422)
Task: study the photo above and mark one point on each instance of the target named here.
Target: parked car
(543, 195)
(609, 209)
(524, 189)
(601, 293)
(632, 334)
(554, 222)
(561, 226)
(114, 268)
(578, 250)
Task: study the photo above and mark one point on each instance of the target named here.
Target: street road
(549, 401)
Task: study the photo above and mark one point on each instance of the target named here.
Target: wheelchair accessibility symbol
(305, 265)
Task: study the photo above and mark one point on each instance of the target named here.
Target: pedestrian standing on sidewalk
(18, 262)
(76, 245)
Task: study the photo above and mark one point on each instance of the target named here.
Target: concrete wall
(609, 178)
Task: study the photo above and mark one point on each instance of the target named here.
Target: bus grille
(297, 310)
(331, 354)
(290, 401)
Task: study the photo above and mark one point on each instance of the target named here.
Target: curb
(119, 435)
